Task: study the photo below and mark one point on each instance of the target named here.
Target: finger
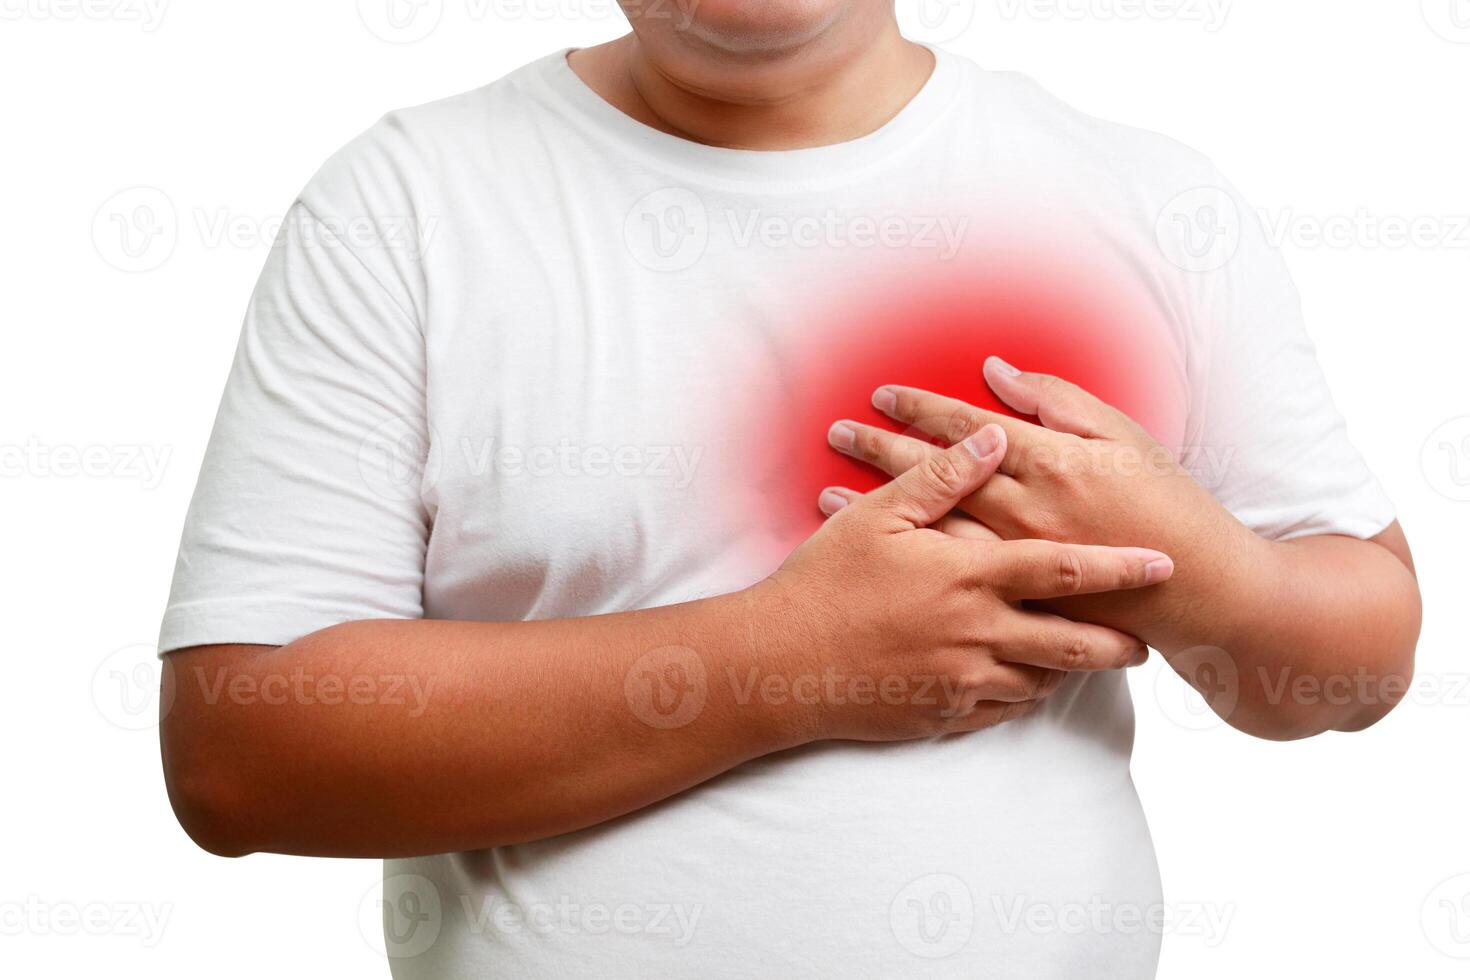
(890, 452)
(894, 453)
(834, 499)
(1047, 570)
(989, 714)
(1060, 405)
(961, 525)
(1012, 681)
(1058, 644)
(924, 494)
(950, 420)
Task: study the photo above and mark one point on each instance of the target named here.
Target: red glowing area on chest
(937, 336)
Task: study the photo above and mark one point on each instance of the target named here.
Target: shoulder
(1028, 119)
(410, 150)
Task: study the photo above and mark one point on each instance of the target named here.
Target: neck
(826, 89)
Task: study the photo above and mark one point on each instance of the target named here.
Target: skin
(1312, 634)
(528, 730)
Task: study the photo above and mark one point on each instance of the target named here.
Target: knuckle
(1031, 687)
(868, 446)
(959, 426)
(944, 473)
(1069, 573)
(1076, 652)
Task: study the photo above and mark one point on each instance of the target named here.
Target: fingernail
(831, 501)
(842, 436)
(985, 442)
(1004, 367)
(1158, 570)
(885, 400)
(1140, 658)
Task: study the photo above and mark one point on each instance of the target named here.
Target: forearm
(461, 735)
(1285, 640)
(1326, 640)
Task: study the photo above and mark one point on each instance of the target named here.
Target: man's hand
(879, 594)
(1315, 614)
(1086, 474)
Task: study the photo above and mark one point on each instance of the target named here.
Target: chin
(750, 26)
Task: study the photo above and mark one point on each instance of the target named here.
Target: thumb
(929, 491)
(1060, 405)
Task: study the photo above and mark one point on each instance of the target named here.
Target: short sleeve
(309, 509)
(1265, 435)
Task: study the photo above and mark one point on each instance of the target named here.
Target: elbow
(1344, 703)
(208, 799)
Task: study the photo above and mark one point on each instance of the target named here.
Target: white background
(1335, 857)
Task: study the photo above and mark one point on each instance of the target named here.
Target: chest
(625, 433)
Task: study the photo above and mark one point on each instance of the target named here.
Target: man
(504, 520)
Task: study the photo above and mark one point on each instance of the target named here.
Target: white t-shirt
(517, 356)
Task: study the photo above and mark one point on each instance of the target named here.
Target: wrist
(1217, 587)
(774, 671)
